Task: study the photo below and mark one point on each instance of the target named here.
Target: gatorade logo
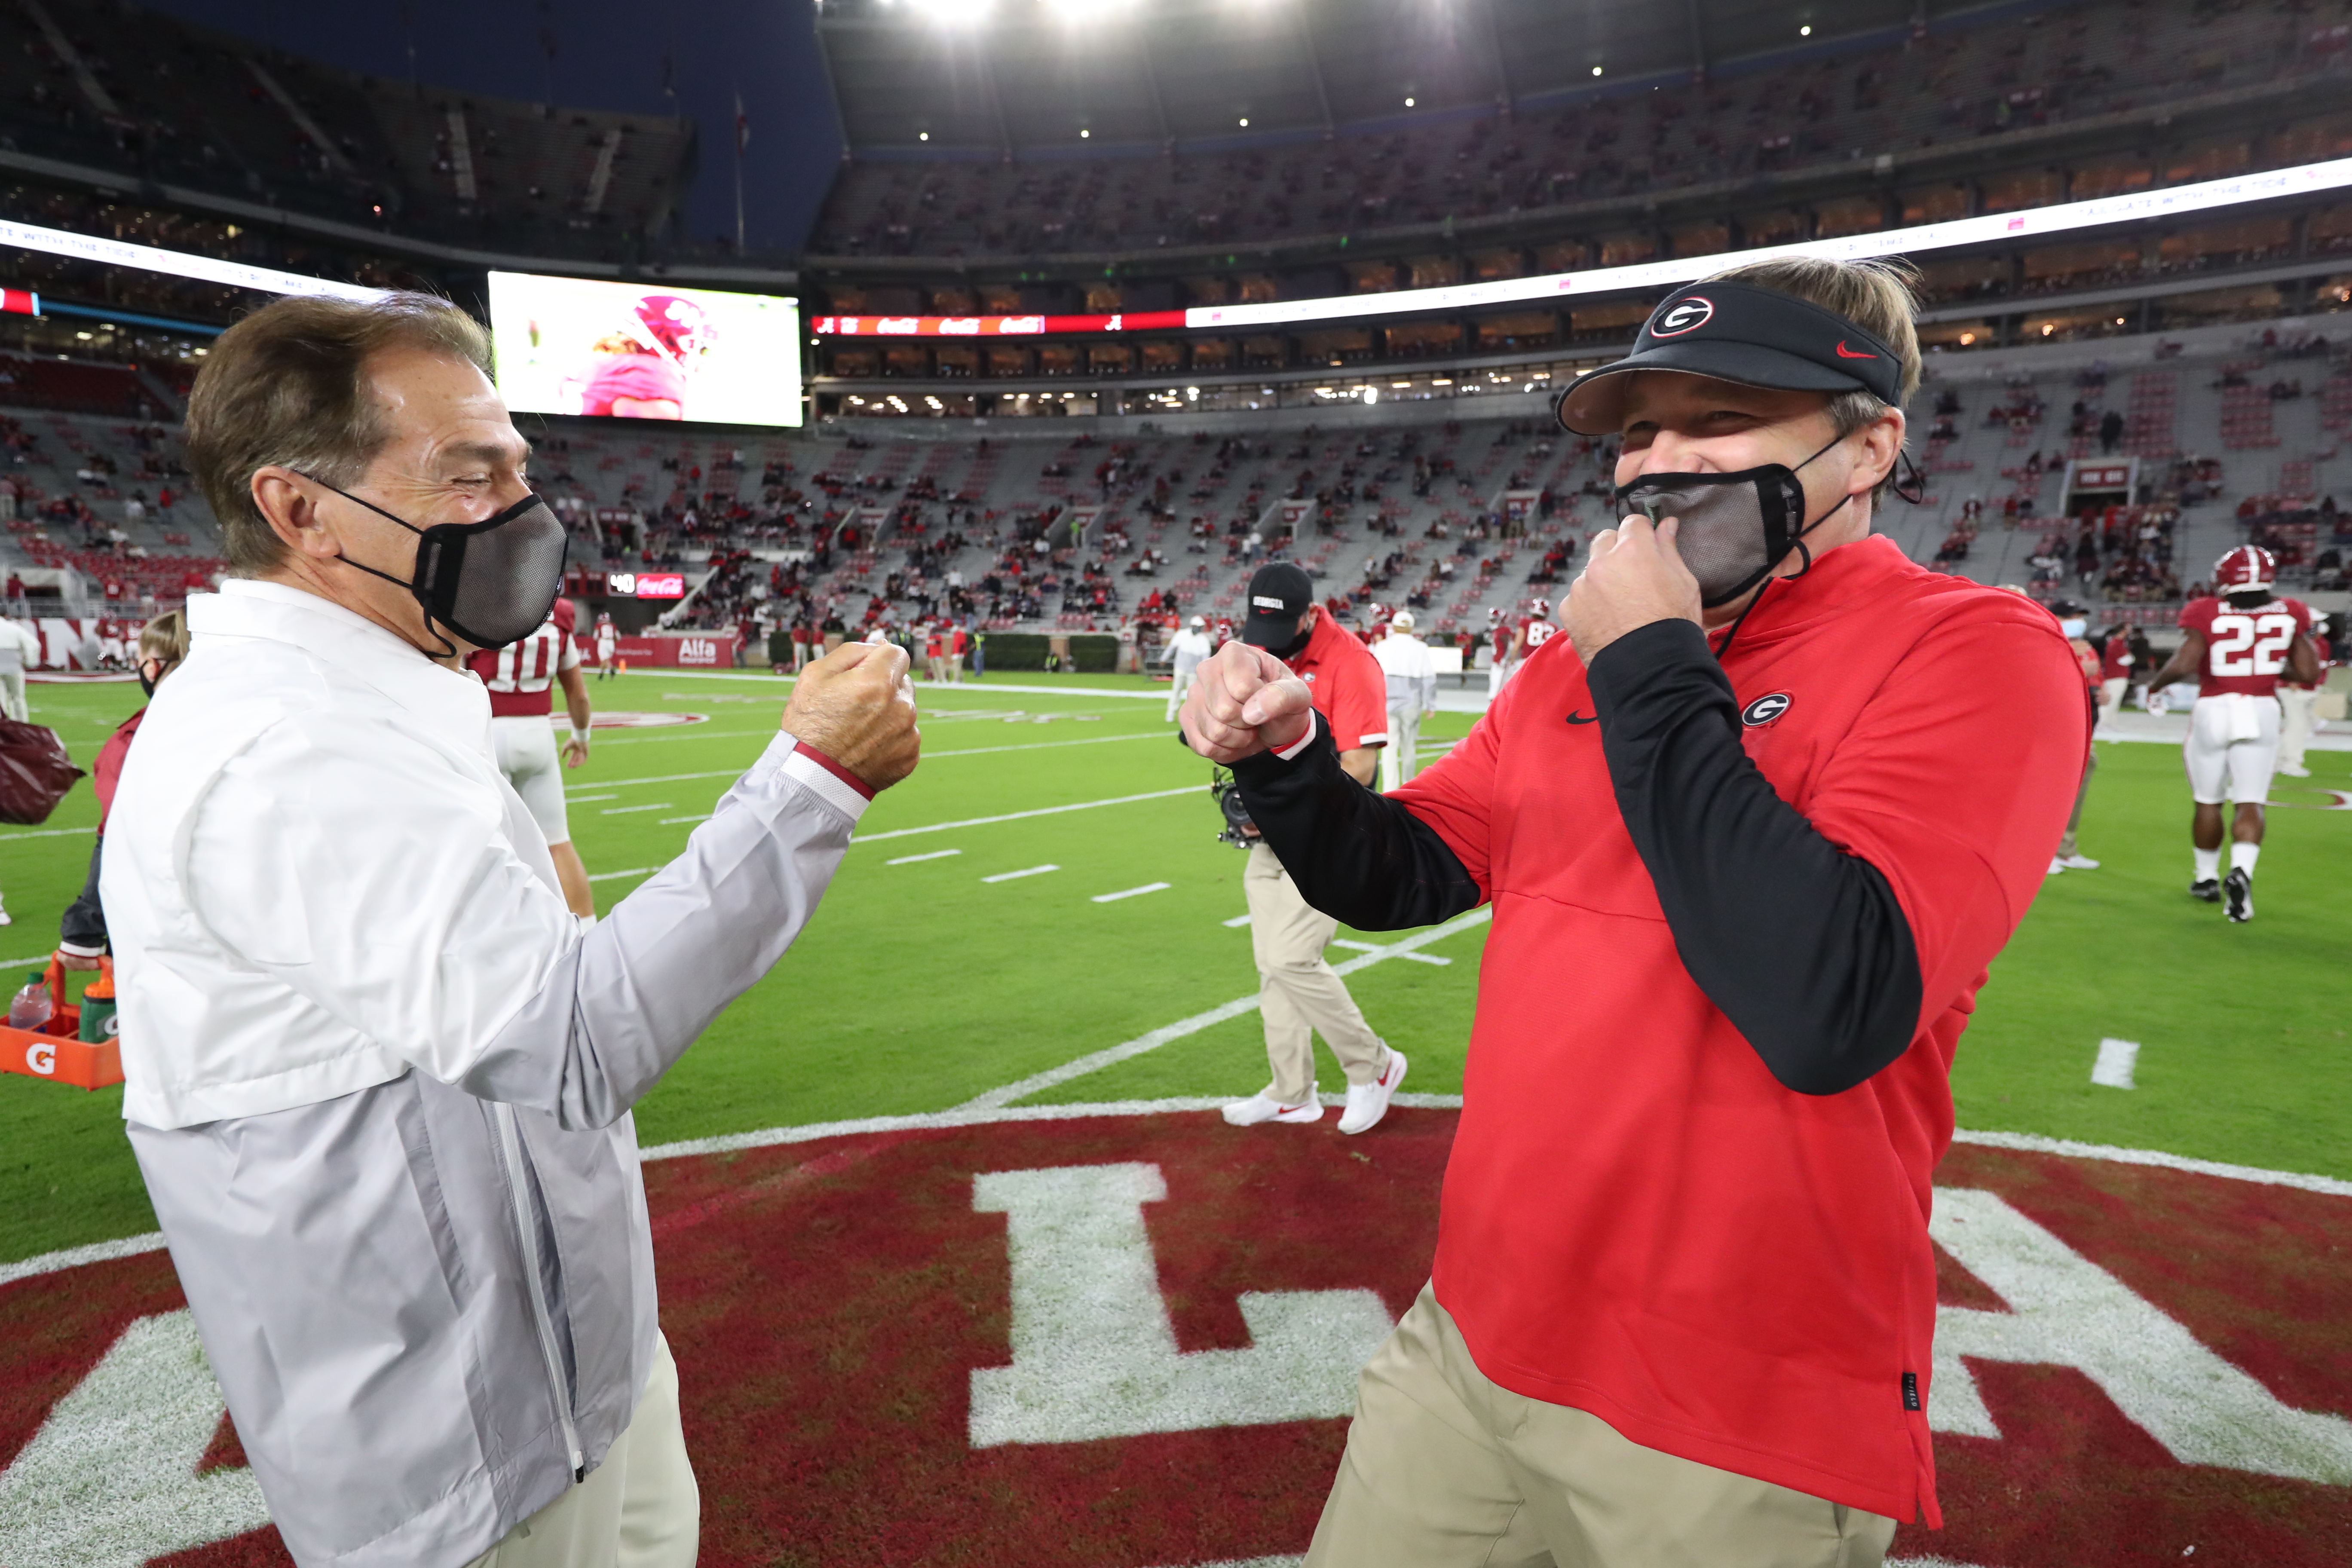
(1683, 316)
(41, 1058)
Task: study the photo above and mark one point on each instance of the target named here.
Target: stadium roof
(1043, 78)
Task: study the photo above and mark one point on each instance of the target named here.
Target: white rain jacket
(379, 1080)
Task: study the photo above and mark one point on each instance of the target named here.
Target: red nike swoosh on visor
(1845, 353)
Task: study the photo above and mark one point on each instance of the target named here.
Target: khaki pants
(639, 1508)
(1400, 758)
(1445, 1470)
(2074, 817)
(12, 695)
(1297, 991)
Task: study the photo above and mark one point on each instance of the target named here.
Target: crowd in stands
(2067, 64)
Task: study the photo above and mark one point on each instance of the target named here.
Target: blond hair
(1881, 297)
(288, 386)
(164, 637)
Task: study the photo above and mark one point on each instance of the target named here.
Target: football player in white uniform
(608, 643)
(2238, 647)
(520, 676)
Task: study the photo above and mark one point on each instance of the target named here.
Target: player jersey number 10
(527, 665)
(2245, 644)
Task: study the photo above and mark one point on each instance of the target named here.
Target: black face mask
(1734, 527)
(492, 581)
(1294, 646)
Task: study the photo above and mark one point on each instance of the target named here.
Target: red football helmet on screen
(676, 324)
(2247, 569)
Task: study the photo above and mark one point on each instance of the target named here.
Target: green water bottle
(98, 1020)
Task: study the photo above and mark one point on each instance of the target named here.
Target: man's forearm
(642, 983)
(1357, 855)
(1804, 947)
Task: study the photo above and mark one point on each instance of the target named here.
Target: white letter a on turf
(109, 1480)
(1094, 1355)
(2066, 1310)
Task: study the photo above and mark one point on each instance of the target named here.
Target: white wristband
(579, 735)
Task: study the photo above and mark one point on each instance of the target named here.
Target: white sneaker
(2295, 771)
(2056, 864)
(1260, 1107)
(2078, 862)
(1368, 1102)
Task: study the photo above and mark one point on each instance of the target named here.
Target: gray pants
(12, 695)
(2074, 818)
(1298, 993)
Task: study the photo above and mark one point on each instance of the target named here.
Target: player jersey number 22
(2252, 643)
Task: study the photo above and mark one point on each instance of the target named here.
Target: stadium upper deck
(1369, 130)
(103, 93)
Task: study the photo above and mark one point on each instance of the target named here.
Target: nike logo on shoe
(1845, 353)
(1584, 717)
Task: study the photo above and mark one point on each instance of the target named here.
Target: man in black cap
(1751, 832)
(1286, 635)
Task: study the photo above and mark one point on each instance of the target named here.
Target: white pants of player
(1186, 672)
(12, 695)
(1300, 993)
(1400, 758)
(2232, 749)
(527, 755)
(1495, 677)
(641, 1509)
(2295, 724)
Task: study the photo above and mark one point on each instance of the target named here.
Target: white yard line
(1129, 893)
(1020, 815)
(1127, 1050)
(584, 799)
(1375, 947)
(1016, 876)
(2116, 1059)
(934, 854)
(625, 810)
(1235, 923)
(700, 816)
(738, 773)
(978, 1115)
(616, 876)
(48, 833)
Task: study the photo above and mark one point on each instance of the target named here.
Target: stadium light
(1245, 122)
(1806, 31)
(954, 13)
(1596, 70)
(1408, 103)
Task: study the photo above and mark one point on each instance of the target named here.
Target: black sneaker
(2240, 890)
(2209, 889)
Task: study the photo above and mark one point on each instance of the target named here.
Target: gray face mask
(1735, 528)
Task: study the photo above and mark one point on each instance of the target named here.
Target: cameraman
(1298, 991)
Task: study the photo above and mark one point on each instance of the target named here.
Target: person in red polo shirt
(1751, 833)
(1300, 993)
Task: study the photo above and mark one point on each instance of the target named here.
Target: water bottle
(31, 1007)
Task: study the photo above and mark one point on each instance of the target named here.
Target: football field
(1031, 959)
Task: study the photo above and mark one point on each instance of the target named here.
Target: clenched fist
(1244, 701)
(1634, 576)
(857, 707)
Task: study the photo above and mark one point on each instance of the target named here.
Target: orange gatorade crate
(56, 1053)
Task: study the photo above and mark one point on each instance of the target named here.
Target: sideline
(981, 687)
(972, 1116)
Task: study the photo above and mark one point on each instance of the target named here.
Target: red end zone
(831, 1302)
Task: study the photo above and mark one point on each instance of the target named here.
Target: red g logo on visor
(1683, 316)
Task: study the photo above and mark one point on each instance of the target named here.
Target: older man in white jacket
(1412, 691)
(378, 1076)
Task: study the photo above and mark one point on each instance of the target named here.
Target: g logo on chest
(1764, 710)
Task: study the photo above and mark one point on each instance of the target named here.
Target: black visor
(1736, 332)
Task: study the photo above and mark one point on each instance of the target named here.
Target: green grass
(920, 986)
